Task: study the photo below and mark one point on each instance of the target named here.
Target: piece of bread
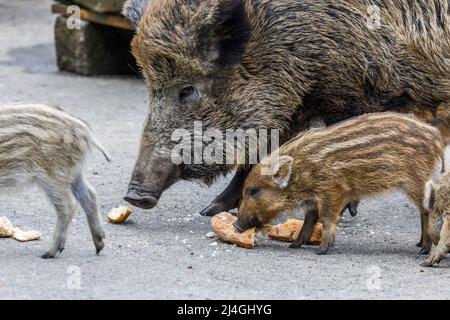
(24, 236)
(290, 230)
(120, 214)
(222, 225)
(6, 228)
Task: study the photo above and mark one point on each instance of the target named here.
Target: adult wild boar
(277, 64)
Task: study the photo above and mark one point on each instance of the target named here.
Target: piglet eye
(253, 192)
(186, 92)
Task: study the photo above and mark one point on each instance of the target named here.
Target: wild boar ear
(133, 10)
(282, 170)
(225, 33)
(430, 195)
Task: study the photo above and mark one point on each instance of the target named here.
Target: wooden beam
(86, 15)
(102, 6)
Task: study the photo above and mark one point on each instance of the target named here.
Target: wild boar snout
(152, 175)
(141, 201)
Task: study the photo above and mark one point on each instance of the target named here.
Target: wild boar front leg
(64, 205)
(230, 197)
(311, 217)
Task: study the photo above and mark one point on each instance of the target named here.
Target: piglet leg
(442, 248)
(311, 217)
(64, 205)
(87, 198)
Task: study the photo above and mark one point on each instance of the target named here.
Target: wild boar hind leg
(230, 197)
(329, 215)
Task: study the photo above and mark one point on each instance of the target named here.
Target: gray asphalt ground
(163, 253)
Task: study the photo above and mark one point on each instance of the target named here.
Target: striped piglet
(46, 146)
(325, 169)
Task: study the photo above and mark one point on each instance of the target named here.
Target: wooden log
(86, 15)
(102, 6)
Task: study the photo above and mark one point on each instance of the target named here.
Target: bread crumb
(119, 215)
(24, 236)
(6, 228)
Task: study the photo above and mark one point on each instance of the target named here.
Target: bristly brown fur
(346, 162)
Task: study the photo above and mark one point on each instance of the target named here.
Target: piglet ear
(282, 170)
(430, 195)
(133, 10)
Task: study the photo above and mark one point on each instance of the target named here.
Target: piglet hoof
(48, 255)
(426, 264)
(322, 252)
(424, 251)
(98, 241)
(419, 244)
(353, 209)
(213, 209)
(435, 257)
(295, 245)
(98, 250)
(99, 247)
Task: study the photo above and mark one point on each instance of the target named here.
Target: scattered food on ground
(223, 226)
(119, 215)
(7, 230)
(290, 230)
(24, 236)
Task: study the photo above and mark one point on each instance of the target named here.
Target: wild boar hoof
(295, 246)
(353, 211)
(424, 251)
(99, 247)
(322, 252)
(426, 264)
(213, 209)
(419, 244)
(47, 255)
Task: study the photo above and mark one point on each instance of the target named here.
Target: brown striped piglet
(323, 170)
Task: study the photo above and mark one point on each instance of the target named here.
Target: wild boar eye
(186, 92)
(253, 192)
